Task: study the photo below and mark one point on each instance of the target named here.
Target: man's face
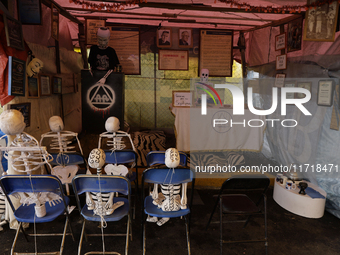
(165, 37)
(185, 36)
(102, 42)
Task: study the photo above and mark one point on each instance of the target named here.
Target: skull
(112, 124)
(12, 122)
(97, 158)
(172, 158)
(204, 75)
(103, 37)
(34, 67)
(56, 124)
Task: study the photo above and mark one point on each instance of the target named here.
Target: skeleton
(203, 81)
(114, 142)
(25, 155)
(101, 206)
(169, 199)
(60, 143)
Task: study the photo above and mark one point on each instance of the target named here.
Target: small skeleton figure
(60, 143)
(101, 203)
(203, 85)
(24, 153)
(169, 199)
(114, 142)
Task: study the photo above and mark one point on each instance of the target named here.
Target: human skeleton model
(25, 155)
(169, 199)
(60, 143)
(114, 142)
(101, 203)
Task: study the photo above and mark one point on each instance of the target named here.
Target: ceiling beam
(174, 15)
(62, 11)
(193, 7)
(276, 23)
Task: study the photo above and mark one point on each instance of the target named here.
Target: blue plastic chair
(158, 157)
(125, 157)
(74, 158)
(104, 183)
(163, 176)
(39, 183)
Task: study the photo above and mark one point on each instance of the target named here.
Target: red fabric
(4, 53)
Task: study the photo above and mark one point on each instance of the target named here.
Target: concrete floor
(288, 234)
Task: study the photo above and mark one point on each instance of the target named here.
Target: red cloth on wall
(4, 53)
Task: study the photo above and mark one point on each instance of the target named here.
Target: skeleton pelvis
(171, 205)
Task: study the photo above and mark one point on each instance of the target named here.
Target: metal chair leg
(265, 224)
(81, 238)
(127, 236)
(16, 237)
(144, 239)
(188, 234)
(212, 213)
(221, 227)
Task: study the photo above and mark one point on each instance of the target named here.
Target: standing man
(102, 57)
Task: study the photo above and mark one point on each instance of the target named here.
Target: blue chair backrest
(120, 156)
(67, 159)
(4, 160)
(158, 157)
(168, 176)
(25, 183)
(105, 183)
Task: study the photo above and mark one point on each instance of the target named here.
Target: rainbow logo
(209, 93)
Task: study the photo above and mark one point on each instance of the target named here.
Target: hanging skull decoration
(34, 67)
(204, 75)
(97, 158)
(12, 122)
(172, 158)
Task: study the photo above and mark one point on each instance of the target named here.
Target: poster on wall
(173, 60)
(320, 24)
(29, 12)
(294, 35)
(91, 28)
(13, 30)
(54, 22)
(16, 76)
(125, 41)
(216, 52)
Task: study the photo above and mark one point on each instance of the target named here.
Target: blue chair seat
(26, 213)
(153, 210)
(118, 214)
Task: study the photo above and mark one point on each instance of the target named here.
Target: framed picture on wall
(281, 62)
(29, 12)
(54, 22)
(164, 38)
(321, 21)
(13, 30)
(25, 109)
(173, 60)
(56, 85)
(32, 87)
(294, 35)
(305, 85)
(16, 76)
(280, 80)
(290, 84)
(325, 92)
(185, 39)
(280, 41)
(45, 85)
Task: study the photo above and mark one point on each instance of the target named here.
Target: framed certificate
(32, 87)
(181, 98)
(29, 12)
(13, 30)
(281, 62)
(45, 85)
(290, 85)
(173, 60)
(325, 92)
(280, 80)
(56, 85)
(305, 85)
(280, 41)
(16, 76)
